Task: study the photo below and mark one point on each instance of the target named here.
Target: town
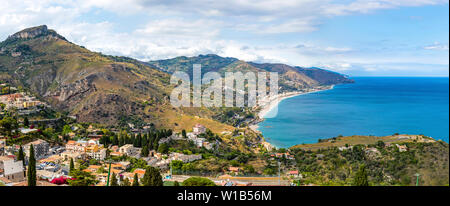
(42, 147)
(56, 150)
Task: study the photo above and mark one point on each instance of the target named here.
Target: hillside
(115, 90)
(389, 160)
(290, 78)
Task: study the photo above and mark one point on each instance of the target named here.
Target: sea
(377, 106)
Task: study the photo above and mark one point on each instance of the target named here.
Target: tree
(81, 178)
(152, 177)
(125, 182)
(31, 172)
(8, 124)
(176, 183)
(26, 122)
(5, 90)
(163, 148)
(115, 140)
(135, 180)
(380, 144)
(176, 165)
(198, 181)
(360, 178)
(21, 156)
(144, 151)
(66, 129)
(114, 181)
(72, 165)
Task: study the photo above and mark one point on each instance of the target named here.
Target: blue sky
(355, 37)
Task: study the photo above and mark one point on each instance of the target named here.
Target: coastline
(266, 108)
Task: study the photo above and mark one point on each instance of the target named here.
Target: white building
(199, 129)
(11, 170)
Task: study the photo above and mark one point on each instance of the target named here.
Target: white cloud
(173, 28)
(437, 46)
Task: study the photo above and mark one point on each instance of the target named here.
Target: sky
(353, 37)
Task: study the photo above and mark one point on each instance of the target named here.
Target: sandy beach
(273, 102)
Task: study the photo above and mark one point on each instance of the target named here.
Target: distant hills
(113, 90)
(291, 78)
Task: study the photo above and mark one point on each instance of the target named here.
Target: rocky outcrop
(72, 91)
(34, 32)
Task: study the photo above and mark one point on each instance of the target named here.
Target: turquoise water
(371, 106)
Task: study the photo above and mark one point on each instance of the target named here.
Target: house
(26, 131)
(234, 169)
(184, 158)
(140, 173)
(54, 158)
(199, 141)
(343, 148)
(92, 168)
(73, 146)
(127, 149)
(67, 155)
(93, 141)
(402, 148)
(41, 148)
(199, 129)
(293, 173)
(96, 152)
(11, 169)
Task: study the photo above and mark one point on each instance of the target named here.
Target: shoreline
(266, 108)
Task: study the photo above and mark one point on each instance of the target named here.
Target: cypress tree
(361, 177)
(114, 181)
(132, 137)
(144, 151)
(21, 156)
(31, 172)
(152, 177)
(26, 122)
(115, 140)
(125, 182)
(135, 180)
(72, 166)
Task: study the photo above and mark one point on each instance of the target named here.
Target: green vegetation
(360, 178)
(152, 177)
(81, 178)
(31, 172)
(198, 181)
(375, 164)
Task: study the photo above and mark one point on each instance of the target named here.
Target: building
(67, 155)
(26, 131)
(96, 152)
(11, 170)
(234, 169)
(41, 148)
(73, 146)
(184, 158)
(128, 150)
(199, 129)
(402, 148)
(293, 173)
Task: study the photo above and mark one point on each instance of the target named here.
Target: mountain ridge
(111, 89)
